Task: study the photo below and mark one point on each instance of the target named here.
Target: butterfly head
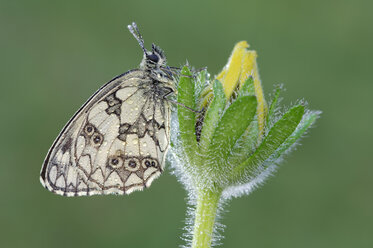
(154, 61)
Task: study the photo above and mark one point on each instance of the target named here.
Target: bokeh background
(55, 54)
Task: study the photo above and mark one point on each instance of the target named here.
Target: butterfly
(117, 141)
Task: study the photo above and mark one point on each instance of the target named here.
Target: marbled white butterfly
(117, 141)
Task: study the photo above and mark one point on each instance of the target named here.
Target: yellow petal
(250, 67)
(206, 99)
(241, 64)
(231, 73)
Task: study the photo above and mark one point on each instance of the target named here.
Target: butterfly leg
(178, 103)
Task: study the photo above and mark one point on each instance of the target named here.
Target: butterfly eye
(115, 162)
(132, 164)
(153, 57)
(89, 129)
(97, 139)
(149, 162)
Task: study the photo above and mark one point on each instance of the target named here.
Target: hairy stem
(207, 205)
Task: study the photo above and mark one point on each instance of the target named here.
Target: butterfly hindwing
(115, 144)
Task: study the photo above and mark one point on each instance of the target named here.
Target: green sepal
(278, 134)
(245, 145)
(273, 105)
(213, 114)
(187, 117)
(231, 126)
(307, 121)
(201, 79)
(247, 89)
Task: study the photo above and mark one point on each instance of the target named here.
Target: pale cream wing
(116, 143)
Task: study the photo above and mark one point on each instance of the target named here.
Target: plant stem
(207, 205)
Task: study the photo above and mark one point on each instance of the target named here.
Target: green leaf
(231, 126)
(212, 115)
(278, 134)
(187, 117)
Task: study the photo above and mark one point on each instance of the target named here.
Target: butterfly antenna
(136, 33)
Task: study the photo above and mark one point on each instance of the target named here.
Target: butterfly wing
(115, 144)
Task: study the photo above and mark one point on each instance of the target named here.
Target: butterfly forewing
(115, 144)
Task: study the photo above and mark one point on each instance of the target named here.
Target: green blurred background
(55, 54)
